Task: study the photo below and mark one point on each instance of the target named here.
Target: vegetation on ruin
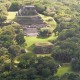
(18, 60)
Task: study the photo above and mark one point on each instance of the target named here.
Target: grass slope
(49, 20)
(62, 70)
(11, 15)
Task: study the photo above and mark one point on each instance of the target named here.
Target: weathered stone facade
(31, 22)
(43, 48)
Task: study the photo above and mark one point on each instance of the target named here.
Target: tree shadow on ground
(42, 37)
(31, 48)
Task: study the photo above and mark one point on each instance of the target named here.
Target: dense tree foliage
(75, 64)
(20, 38)
(3, 13)
(14, 6)
(45, 32)
(9, 47)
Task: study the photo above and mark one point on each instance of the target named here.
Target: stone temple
(30, 20)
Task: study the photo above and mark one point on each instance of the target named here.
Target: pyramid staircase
(30, 21)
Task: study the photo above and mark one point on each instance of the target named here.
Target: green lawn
(62, 70)
(52, 23)
(11, 15)
(43, 55)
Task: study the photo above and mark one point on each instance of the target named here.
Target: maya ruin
(30, 20)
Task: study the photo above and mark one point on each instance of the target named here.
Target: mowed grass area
(62, 70)
(49, 20)
(11, 15)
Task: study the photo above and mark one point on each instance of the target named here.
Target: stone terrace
(31, 22)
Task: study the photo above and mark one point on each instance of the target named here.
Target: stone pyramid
(30, 21)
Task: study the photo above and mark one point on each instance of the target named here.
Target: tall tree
(3, 13)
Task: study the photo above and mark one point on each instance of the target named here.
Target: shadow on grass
(31, 48)
(42, 37)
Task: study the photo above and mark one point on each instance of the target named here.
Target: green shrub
(45, 32)
(40, 8)
(14, 6)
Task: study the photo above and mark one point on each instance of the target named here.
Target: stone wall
(43, 48)
(31, 22)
